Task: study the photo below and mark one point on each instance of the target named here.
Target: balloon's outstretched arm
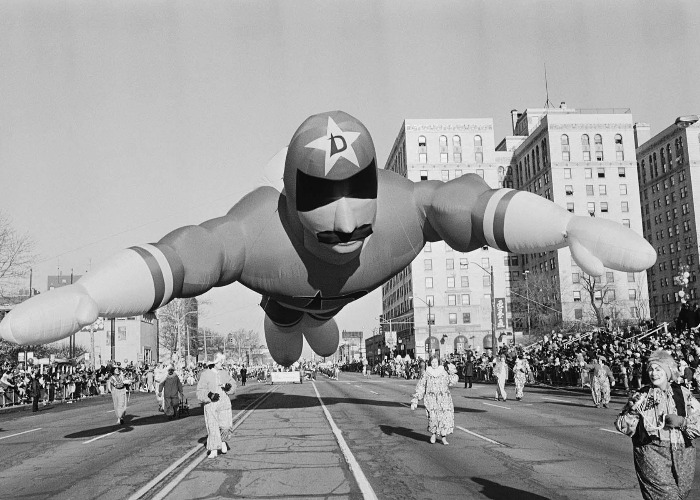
(521, 222)
(187, 262)
(467, 214)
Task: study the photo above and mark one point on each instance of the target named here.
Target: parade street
(352, 438)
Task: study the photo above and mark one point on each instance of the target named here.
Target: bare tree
(536, 298)
(177, 322)
(16, 257)
(598, 295)
(242, 341)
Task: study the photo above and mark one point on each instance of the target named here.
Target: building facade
(442, 302)
(669, 177)
(585, 162)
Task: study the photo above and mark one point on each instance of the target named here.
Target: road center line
(374, 392)
(99, 437)
(614, 432)
(479, 436)
(557, 399)
(498, 406)
(363, 483)
(20, 433)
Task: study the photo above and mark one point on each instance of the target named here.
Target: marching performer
(213, 388)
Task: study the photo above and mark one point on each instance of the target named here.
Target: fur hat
(666, 362)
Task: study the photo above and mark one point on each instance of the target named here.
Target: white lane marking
(497, 406)
(479, 436)
(99, 437)
(557, 399)
(374, 392)
(614, 432)
(169, 487)
(362, 482)
(20, 433)
(110, 411)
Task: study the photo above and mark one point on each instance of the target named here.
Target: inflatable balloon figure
(339, 229)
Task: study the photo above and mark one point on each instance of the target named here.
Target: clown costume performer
(213, 388)
(520, 371)
(662, 419)
(601, 380)
(433, 389)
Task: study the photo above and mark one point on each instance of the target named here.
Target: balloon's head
(330, 181)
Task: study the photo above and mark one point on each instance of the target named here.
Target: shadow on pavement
(500, 492)
(390, 430)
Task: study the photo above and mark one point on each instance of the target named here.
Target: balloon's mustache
(334, 237)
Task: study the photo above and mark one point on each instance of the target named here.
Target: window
(569, 190)
(578, 313)
(422, 158)
(485, 262)
(619, 152)
(457, 158)
(424, 175)
(480, 173)
(428, 264)
(565, 155)
(586, 156)
(450, 282)
(428, 282)
(567, 173)
(632, 294)
(456, 141)
(452, 318)
(591, 208)
(598, 140)
(575, 278)
(630, 277)
(451, 300)
(577, 296)
(430, 299)
(464, 263)
(609, 277)
(443, 157)
(570, 207)
(445, 173)
(589, 189)
(479, 157)
(621, 171)
(443, 141)
(626, 222)
(431, 319)
(466, 317)
(601, 173)
(624, 206)
(588, 173)
(603, 189)
(603, 206)
(623, 188)
(477, 141)
(421, 141)
(449, 264)
(428, 247)
(465, 281)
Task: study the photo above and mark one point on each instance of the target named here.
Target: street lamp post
(493, 307)
(527, 294)
(430, 332)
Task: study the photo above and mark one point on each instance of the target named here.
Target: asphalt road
(353, 438)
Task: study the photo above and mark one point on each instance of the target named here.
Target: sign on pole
(500, 313)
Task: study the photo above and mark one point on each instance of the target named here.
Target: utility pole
(493, 314)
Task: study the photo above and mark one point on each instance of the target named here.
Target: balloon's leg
(322, 338)
(285, 344)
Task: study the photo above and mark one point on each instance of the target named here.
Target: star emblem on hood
(336, 144)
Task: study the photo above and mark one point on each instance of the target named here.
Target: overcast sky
(120, 121)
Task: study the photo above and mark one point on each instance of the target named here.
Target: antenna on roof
(548, 104)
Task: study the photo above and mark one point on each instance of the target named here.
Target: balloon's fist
(599, 243)
(50, 316)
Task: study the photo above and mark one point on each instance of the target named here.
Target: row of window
(451, 280)
(586, 148)
(606, 295)
(590, 191)
(666, 159)
(675, 230)
(634, 313)
(456, 152)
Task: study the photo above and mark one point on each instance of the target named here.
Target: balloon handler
(340, 228)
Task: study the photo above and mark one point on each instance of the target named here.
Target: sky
(121, 121)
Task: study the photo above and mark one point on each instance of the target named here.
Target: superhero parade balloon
(339, 229)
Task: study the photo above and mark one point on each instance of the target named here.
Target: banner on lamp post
(500, 313)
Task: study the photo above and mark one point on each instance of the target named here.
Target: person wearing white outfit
(213, 388)
(500, 371)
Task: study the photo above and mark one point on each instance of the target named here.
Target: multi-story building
(668, 165)
(451, 288)
(584, 161)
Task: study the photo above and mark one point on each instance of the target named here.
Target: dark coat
(468, 369)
